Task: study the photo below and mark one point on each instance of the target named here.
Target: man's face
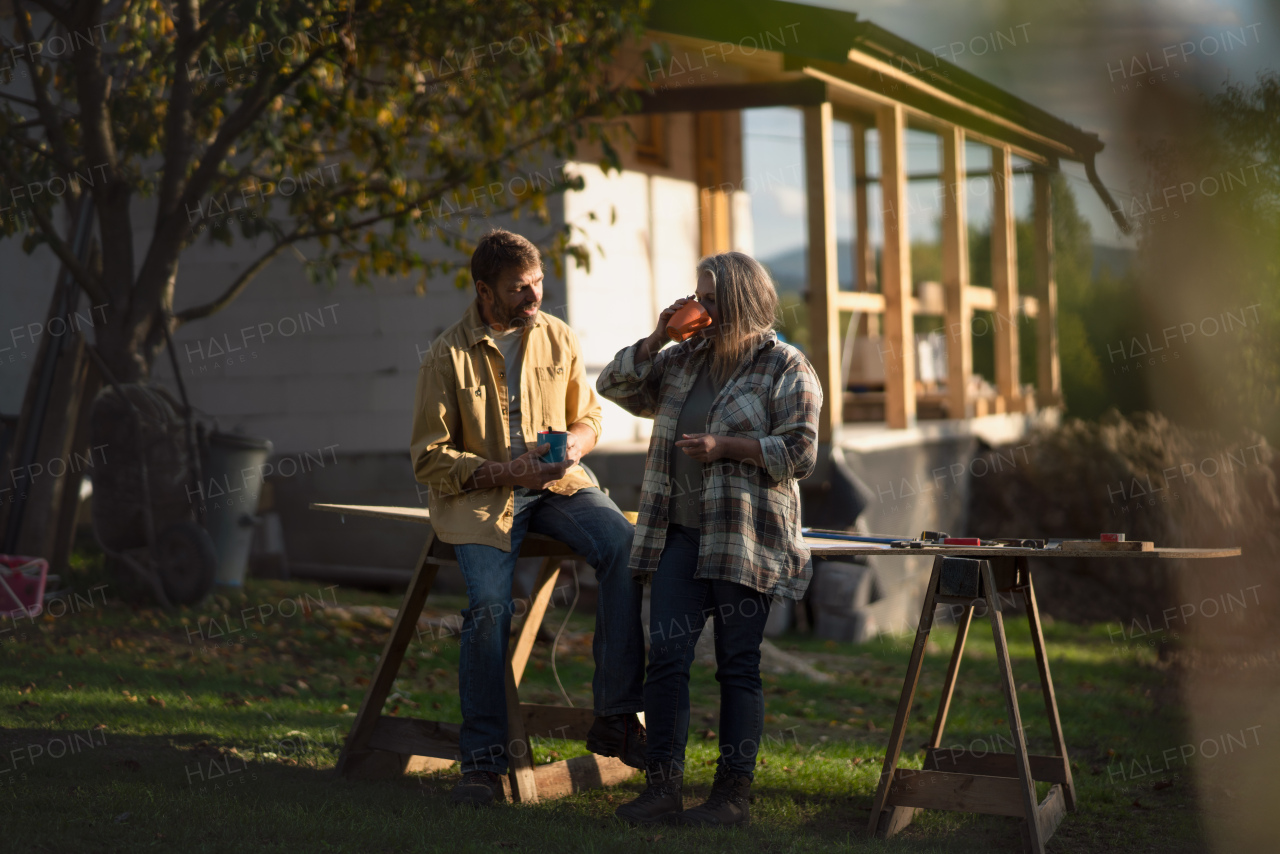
(514, 299)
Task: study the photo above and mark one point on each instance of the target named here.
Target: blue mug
(558, 440)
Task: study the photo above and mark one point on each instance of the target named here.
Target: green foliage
(359, 135)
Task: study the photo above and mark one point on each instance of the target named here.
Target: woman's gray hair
(748, 304)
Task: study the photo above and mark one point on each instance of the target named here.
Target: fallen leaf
(61, 716)
(1138, 805)
(154, 701)
(1163, 784)
(288, 689)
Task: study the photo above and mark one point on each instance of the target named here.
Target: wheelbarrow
(147, 497)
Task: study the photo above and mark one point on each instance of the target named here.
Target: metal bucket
(232, 485)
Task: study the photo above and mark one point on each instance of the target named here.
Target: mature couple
(735, 426)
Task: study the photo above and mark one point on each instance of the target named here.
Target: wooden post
(824, 318)
(897, 346)
(713, 200)
(1048, 372)
(864, 257)
(1004, 280)
(955, 274)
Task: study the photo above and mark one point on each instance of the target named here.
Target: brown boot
(661, 800)
(728, 805)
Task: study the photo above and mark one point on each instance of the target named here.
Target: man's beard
(513, 315)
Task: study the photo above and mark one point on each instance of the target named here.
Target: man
(485, 388)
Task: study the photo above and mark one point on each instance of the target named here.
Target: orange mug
(688, 319)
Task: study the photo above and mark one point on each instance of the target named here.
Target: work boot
(622, 736)
(728, 805)
(478, 789)
(662, 799)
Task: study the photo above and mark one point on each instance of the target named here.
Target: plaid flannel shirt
(750, 531)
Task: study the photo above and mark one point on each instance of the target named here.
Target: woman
(735, 427)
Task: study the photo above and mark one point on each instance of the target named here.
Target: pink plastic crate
(24, 578)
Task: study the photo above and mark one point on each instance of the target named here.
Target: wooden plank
(570, 776)
(805, 92)
(985, 299)
(824, 318)
(556, 721)
(709, 171)
(524, 786)
(949, 683)
(955, 274)
(1049, 815)
(542, 590)
(943, 790)
(899, 729)
(859, 301)
(898, 345)
(402, 632)
(1100, 546)
(416, 737)
(427, 765)
(1004, 277)
(864, 257)
(1046, 686)
(1048, 368)
(826, 548)
(1048, 769)
(1025, 781)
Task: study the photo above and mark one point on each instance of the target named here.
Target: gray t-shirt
(686, 472)
(511, 344)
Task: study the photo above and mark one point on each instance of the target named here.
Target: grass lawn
(126, 729)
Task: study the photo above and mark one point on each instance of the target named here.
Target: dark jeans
(590, 524)
(679, 606)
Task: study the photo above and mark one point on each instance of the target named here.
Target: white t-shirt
(511, 343)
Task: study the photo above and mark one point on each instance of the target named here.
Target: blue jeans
(679, 606)
(590, 524)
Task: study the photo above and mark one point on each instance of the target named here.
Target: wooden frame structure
(381, 746)
(838, 67)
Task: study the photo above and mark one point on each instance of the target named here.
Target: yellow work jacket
(460, 420)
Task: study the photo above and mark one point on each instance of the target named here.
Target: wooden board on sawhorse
(995, 783)
(381, 746)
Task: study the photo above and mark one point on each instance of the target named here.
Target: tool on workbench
(852, 537)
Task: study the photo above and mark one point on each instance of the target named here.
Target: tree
(377, 120)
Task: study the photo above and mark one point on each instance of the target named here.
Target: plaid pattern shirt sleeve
(750, 530)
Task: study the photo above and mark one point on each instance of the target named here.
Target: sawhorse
(381, 746)
(994, 783)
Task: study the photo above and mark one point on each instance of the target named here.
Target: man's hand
(529, 471)
(703, 447)
(525, 470)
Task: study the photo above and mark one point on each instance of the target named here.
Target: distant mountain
(1116, 260)
(788, 268)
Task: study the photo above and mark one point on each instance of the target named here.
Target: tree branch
(241, 282)
(61, 149)
(83, 277)
(177, 152)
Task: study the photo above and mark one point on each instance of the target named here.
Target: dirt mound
(1143, 476)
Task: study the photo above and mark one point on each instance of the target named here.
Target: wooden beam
(942, 790)
(1004, 278)
(1048, 371)
(824, 329)
(402, 632)
(416, 737)
(1025, 782)
(985, 299)
(864, 256)
(556, 721)
(955, 274)
(949, 682)
(542, 590)
(804, 92)
(898, 343)
(1049, 769)
(859, 301)
(1049, 815)
(570, 776)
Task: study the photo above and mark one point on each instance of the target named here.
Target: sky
(1070, 57)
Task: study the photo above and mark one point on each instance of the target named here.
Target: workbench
(994, 578)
